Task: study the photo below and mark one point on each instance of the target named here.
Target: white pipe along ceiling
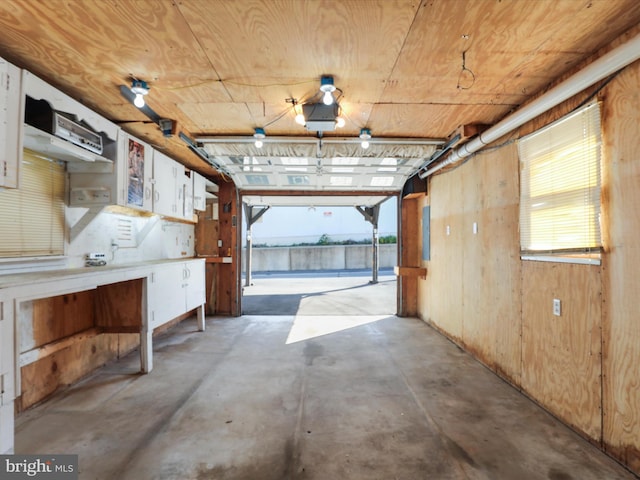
(604, 66)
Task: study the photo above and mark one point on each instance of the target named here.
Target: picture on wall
(135, 193)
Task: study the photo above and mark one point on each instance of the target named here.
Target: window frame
(574, 141)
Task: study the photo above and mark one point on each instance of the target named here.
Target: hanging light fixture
(365, 136)
(327, 88)
(259, 135)
(140, 89)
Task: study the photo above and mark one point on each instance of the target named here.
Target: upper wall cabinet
(10, 79)
(199, 192)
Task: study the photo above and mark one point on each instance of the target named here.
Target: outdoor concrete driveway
(334, 292)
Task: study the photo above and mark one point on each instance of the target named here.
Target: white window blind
(32, 217)
(560, 185)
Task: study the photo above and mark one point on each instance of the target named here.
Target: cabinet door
(199, 192)
(187, 196)
(165, 172)
(195, 294)
(167, 295)
(138, 173)
(10, 78)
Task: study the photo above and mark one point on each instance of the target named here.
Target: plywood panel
(444, 279)
(561, 356)
(621, 282)
(501, 270)
(119, 305)
(58, 317)
(42, 378)
(410, 255)
(477, 328)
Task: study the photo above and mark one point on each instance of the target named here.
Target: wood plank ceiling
(223, 68)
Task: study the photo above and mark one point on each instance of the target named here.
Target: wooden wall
(228, 297)
(583, 366)
(409, 254)
(620, 278)
(479, 270)
(53, 319)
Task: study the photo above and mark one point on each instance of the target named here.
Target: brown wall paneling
(58, 317)
(42, 378)
(410, 254)
(444, 278)
(422, 294)
(207, 234)
(477, 331)
(621, 282)
(500, 257)
(119, 305)
(561, 355)
(228, 298)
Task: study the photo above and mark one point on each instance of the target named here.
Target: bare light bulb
(365, 136)
(259, 135)
(139, 100)
(300, 119)
(327, 98)
(340, 122)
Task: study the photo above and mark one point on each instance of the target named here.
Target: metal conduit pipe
(604, 66)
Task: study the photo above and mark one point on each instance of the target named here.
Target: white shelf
(58, 148)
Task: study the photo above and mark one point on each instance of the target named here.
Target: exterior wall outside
(331, 257)
(582, 366)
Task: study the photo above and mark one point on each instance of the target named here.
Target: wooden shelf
(410, 271)
(218, 259)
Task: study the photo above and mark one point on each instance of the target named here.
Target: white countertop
(91, 274)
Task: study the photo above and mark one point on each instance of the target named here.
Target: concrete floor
(321, 397)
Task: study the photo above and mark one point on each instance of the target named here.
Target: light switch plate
(557, 307)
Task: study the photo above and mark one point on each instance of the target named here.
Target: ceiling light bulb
(300, 120)
(340, 122)
(365, 136)
(140, 89)
(259, 135)
(139, 100)
(327, 87)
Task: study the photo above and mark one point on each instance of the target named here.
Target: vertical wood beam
(228, 297)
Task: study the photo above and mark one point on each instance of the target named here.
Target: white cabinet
(173, 188)
(7, 381)
(166, 193)
(199, 192)
(10, 79)
(176, 288)
(194, 284)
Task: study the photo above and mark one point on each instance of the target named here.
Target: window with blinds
(560, 185)
(32, 217)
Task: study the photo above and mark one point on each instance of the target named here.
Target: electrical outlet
(557, 307)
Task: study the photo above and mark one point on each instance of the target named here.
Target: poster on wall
(136, 173)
